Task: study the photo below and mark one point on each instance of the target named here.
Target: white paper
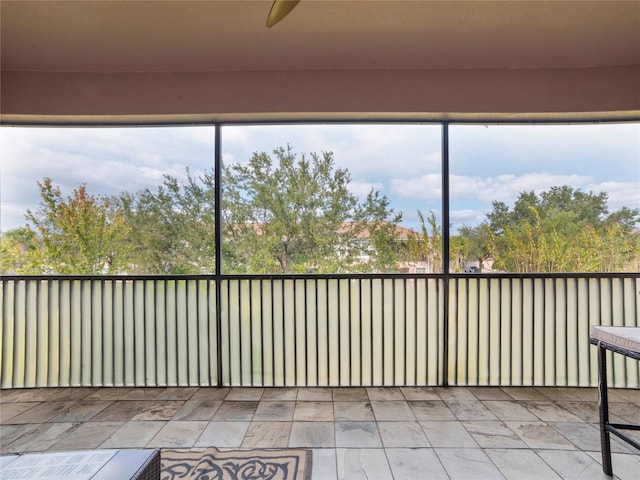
(57, 465)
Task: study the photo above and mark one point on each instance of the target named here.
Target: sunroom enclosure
(358, 329)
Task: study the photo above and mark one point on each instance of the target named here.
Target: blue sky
(402, 161)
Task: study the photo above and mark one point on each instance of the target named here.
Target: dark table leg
(605, 440)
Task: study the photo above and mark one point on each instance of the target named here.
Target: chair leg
(605, 439)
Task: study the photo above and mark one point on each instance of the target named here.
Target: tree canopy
(82, 234)
(561, 230)
(284, 215)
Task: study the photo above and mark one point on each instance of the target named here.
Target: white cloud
(362, 189)
(620, 194)
(466, 217)
(425, 187)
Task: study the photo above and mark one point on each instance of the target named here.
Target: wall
(561, 94)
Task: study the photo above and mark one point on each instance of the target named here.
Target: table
(134, 464)
(625, 341)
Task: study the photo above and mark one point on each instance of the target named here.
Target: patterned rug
(214, 464)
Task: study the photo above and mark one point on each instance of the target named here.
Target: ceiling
(182, 36)
(187, 36)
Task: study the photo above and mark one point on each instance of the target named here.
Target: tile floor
(368, 433)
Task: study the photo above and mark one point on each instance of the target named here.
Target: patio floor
(356, 433)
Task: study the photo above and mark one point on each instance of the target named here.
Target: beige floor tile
(183, 434)
(585, 411)
(357, 435)
(81, 411)
(280, 394)
(267, 435)
(353, 411)
(489, 393)
(627, 395)
(40, 438)
(199, 409)
(313, 411)
(350, 394)
(235, 411)
(176, 393)
(629, 411)
(133, 434)
(312, 434)
(42, 412)
(540, 435)
(144, 393)
(470, 410)
(525, 393)
(447, 434)
(454, 393)
(88, 435)
(402, 434)
(121, 411)
(582, 394)
(109, 393)
(158, 410)
(521, 464)
(222, 434)
(550, 412)
(419, 393)
(210, 393)
(362, 464)
(431, 410)
(10, 410)
(392, 411)
(10, 433)
(384, 394)
(274, 411)
(493, 435)
(625, 466)
(324, 465)
(573, 465)
(415, 463)
(509, 410)
(467, 464)
(587, 437)
(314, 394)
(245, 394)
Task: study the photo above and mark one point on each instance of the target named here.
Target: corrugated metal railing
(312, 330)
(534, 330)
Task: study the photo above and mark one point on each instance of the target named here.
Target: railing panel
(107, 332)
(535, 331)
(332, 332)
(312, 331)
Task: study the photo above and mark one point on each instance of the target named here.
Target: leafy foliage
(172, 229)
(562, 230)
(82, 234)
(284, 215)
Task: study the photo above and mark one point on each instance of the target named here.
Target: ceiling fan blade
(279, 10)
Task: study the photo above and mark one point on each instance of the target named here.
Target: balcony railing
(312, 330)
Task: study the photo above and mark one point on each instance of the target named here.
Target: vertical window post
(445, 252)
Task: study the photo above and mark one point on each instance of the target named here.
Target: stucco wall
(589, 93)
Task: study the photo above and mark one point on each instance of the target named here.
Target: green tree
(289, 215)
(563, 230)
(172, 228)
(16, 248)
(475, 244)
(82, 234)
(426, 246)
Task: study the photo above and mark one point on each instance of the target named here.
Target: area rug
(214, 464)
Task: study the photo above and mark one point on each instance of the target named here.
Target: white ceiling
(196, 36)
